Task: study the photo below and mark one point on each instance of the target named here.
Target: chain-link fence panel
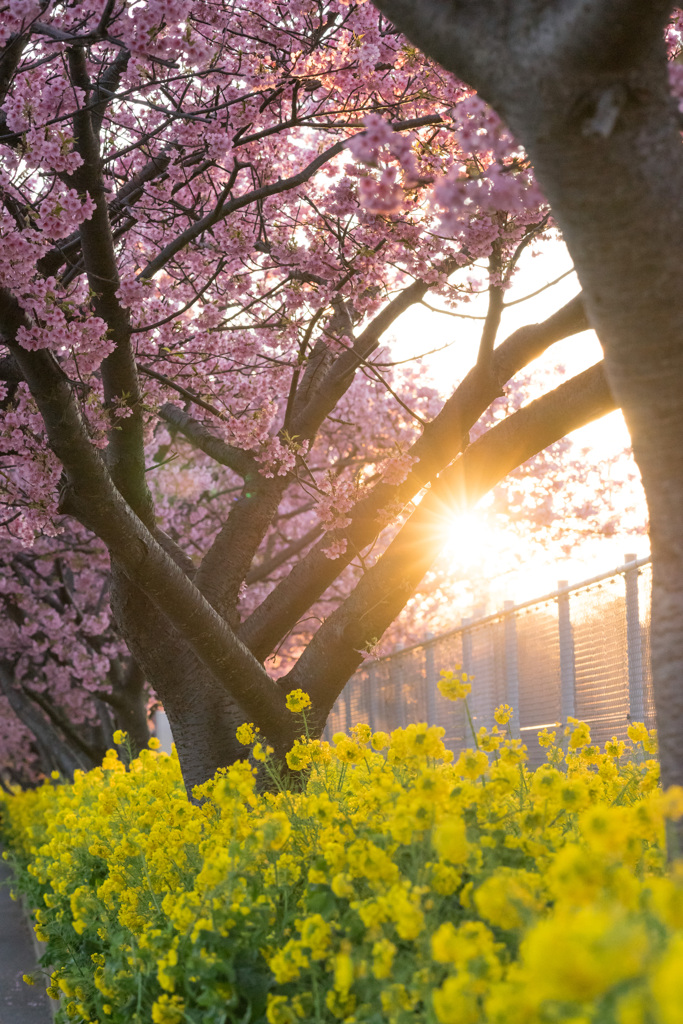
(582, 651)
(539, 674)
(601, 684)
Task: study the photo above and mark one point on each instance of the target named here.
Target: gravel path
(19, 1003)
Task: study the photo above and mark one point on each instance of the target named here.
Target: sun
(477, 545)
(470, 539)
(500, 564)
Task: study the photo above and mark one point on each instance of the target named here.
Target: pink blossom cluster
(18, 250)
(335, 548)
(59, 327)
(373, 652)
(487, 176)
(390, 513)
(17, 15)
(251, 428)
(381, 196)
(278, 458)
(376, 146)
(396, 468)
(31, 471)
(55, 633)
(31, 114)
(331, 507)
(63, 212)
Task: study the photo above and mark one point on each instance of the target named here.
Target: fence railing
(580, 651)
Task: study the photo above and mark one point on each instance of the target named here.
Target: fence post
(430, 681)
(347, 707)
(567, 666)
(466, 645)
(370, 684)
(634, 642)
(465, 622)
(400, 694)
(511, 666)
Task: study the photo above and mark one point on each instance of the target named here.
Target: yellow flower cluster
(454, 685)
(297, 701)
(386, 882)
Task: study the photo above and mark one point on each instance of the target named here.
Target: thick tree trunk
(203, 718)
(128, 700)
(202, 715)
(618, 200)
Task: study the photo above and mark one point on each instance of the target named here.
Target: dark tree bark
(583, 84)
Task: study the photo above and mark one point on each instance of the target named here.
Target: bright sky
(474, 547)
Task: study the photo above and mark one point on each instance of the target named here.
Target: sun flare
(504, 566)
(470, 538)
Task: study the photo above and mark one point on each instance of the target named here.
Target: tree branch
(200, 437)
(493, 46)
(494, 313)
(226, 563)
(125, 451)
(337, 380)
(333, 654)
(440, 442)
(105, 88)
(187, 393)
(223, 208)
(45, 733)
(67, 249)
(73, 736)
(263, 571)
(9, 62)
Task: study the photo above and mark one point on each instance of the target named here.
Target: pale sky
(420, 330)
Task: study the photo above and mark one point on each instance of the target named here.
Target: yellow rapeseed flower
(346, 879)
(246, 733)
(297, 701)
(299, 756)
(508, 898)
(637, 733)
(454, 685)
(503, 714)
(455, 1003)
(471, 764)
(379, 740)
(450, 841)
(168, 1010)
(594, 949)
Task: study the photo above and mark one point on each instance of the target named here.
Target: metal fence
(582, 651)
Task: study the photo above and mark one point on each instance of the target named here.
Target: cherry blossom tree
(212, 218)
